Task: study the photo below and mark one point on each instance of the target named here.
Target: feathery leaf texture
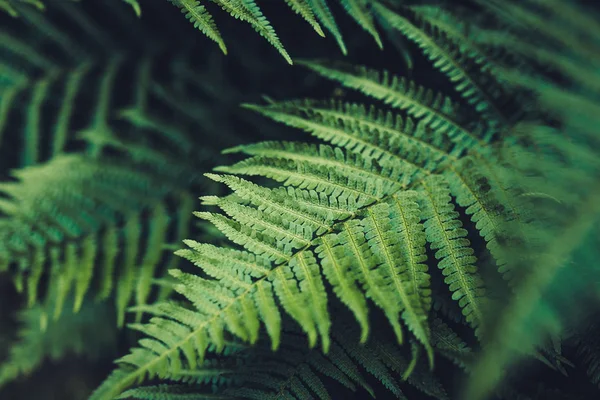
(61, 213)
(93, 206)
(317, 13)
(292, 372)
(355, 212)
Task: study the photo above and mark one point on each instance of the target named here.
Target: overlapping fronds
(74, 218)
(317, 13)
(564, 37)
(95, 203)
(394, 203)
(355, 212)
(293, 372)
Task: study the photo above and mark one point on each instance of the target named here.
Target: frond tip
(201, 19)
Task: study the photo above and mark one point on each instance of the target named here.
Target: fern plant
(409, 206)
(356, 212)
(90, 198)
(317, 13)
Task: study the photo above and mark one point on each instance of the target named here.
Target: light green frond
(371, 132)
(286, 235)
(453, 250)
(247, 10)
(201, 19)
(469, 80)
(329, 158)
(75, 221)
(314, 210)
(436, 110)
(350, 249)
(401, 267)
(358, 9)
(355, 189)
(325, 17)
(304, 9)
(339, 272)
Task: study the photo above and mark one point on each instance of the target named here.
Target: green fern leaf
(247, 10)
(447, 56)
(324, 15)
(436, 110)
(457, 261)
(201, 19)
(304, 9)
(358, 10)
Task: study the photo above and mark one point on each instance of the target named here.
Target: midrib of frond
(138, 373)
(279, 206)
(274, 171)
(461, 274)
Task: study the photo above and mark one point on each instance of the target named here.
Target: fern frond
(355, 213)
(434, 109)
(462, 70)
(358, 9)
(47, 220)
(201, 19)
(304, 9)
(457, 261)
(293, 372)
(325, 17)
(369, 131)
(247, 10)
(402, 266)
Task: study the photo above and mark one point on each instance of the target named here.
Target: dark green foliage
(77, 333)
(431, 228)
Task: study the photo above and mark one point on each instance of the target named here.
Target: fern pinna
(356, 211)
